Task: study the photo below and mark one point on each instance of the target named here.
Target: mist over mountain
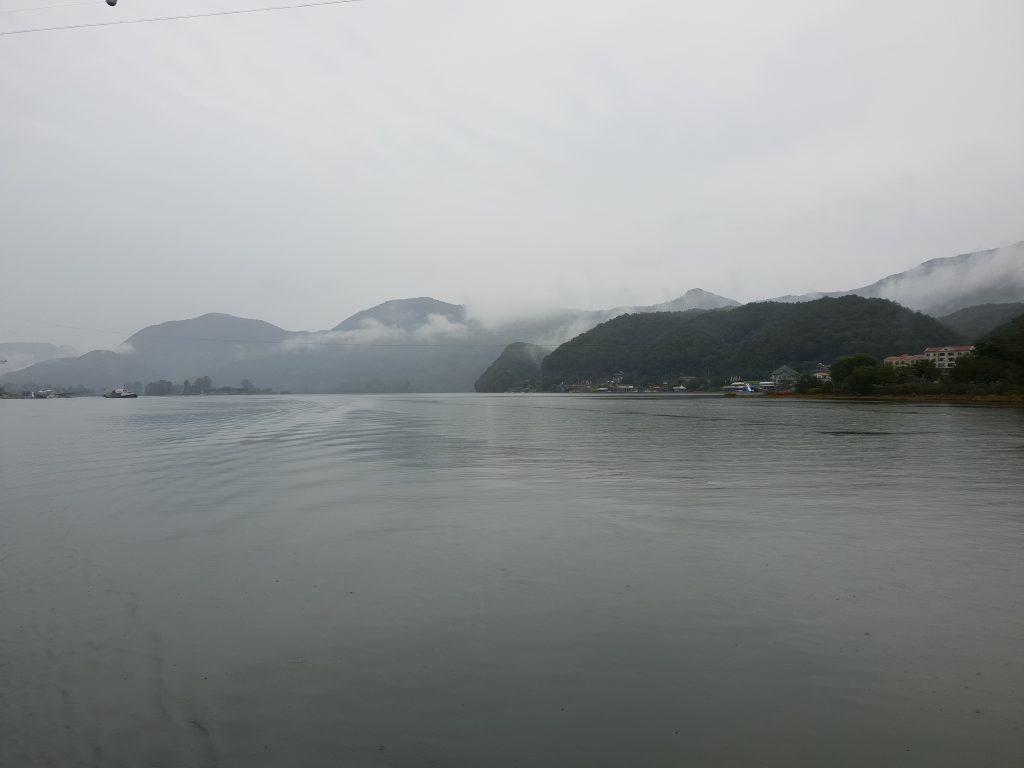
(418, 344)
(427, 345)
(99, 369)
(23, 354)
(941, 286)
(203, 342)
(406, 314)
(518, 367)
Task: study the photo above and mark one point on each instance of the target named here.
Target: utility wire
(155, 19)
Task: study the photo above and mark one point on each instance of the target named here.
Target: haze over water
(510, 581)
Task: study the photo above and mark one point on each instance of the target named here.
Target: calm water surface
(510, 581)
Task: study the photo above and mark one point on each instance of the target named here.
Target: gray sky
(303, 165)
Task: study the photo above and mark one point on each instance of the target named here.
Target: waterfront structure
(946, 357)
(784, 377)
(904, 361)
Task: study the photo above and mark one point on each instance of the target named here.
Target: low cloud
(938, 284)
(371, 332)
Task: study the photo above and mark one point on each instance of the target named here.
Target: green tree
(866, 379)
(844, 368)
(926, 370)
(807, 383)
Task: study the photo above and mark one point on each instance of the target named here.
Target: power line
(155, 19)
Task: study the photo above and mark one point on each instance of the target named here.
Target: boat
(120, 394)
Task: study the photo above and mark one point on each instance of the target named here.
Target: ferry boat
(119, 394)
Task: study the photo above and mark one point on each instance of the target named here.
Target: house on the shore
(784, 377)
(946, 357)
(823, 373)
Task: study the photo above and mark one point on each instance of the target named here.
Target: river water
(510, 581)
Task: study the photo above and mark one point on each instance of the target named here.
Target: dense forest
(518, 367)
(974, 322)
(748, 341)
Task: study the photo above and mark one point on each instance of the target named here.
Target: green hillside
(518, 367)
(974, 322)
(748, 341)
(997, 362)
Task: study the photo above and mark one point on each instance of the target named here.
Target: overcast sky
(299, 166)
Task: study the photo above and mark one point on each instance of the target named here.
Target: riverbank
(1014, 400)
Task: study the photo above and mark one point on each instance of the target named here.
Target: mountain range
(942, 286)
(418, 344)
(423, 344)
(23, 354)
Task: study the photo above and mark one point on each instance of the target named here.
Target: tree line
(996, 367)
(748, 341)
(203, 385)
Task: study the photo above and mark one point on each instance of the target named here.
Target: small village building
(946, 357)
(784, 377)
(822, 373)
(904, 361)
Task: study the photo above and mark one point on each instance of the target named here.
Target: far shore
(1015, 400)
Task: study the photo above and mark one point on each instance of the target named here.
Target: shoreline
(994, 400)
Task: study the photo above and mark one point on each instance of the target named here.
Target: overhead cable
(182, 17)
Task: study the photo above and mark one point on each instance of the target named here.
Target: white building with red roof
(946, 357)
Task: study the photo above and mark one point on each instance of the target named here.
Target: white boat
(119, 394)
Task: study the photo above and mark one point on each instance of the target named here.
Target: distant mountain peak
(695, 298)
(407, 314)
(944, 285)
(212, 325)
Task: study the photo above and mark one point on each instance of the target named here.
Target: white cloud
(301, 166)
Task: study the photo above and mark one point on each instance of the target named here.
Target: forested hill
(748, 341)
(518, 367)
(975, 322)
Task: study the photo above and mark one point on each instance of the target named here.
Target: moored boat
(120, 394)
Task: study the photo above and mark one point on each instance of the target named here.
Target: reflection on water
(495, 580)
